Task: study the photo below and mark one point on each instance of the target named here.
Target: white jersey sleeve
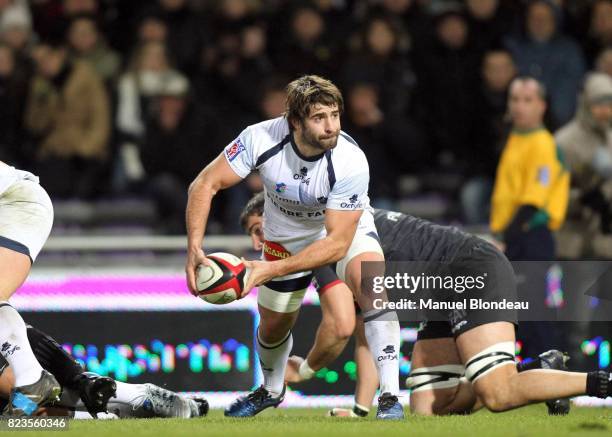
(241, 153)
(350, 192)
(9, 175)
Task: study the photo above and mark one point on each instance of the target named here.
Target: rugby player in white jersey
(317, 212)
(26, 216)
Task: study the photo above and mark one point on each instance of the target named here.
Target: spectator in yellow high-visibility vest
(532, 183)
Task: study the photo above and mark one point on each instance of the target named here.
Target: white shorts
(280, 302)
(290, 299)
(362, 243)
(26, 217)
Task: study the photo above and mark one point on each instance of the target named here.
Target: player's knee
(338, 328)
(271, 335)
(493, 371)
(442, 401)
(344, 331)
(496, 397)
(337, 322)
(344, 326)
(273, 329)
(421, 409)
(497, 391)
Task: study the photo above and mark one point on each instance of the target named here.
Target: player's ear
(295, 123)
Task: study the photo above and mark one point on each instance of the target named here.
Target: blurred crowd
(109, 98)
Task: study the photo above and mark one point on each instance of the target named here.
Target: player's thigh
(338, 308)
(354, 276)
(435, 352)
(14, 269)
(473, 341)
(487, 352)
(363, 248)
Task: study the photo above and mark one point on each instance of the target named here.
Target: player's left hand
(258, 272)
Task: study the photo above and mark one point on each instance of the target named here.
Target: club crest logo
(234, 150)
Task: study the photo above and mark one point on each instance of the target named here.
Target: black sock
(598, 384)
(54, 359)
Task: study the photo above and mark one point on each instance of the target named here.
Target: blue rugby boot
(254, 403)
(389, 408)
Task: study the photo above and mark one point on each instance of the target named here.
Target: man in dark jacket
(176, 143)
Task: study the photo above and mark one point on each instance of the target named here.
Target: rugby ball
(223, 281)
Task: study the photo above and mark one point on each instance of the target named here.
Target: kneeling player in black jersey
(467, 361)
(100, 396)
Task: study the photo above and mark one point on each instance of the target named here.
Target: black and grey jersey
(407, 238)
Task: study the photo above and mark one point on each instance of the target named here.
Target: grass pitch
(531, 421)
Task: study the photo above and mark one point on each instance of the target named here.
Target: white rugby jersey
(298, 189)
(9, 175)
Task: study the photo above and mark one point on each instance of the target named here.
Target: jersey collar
(299, 154)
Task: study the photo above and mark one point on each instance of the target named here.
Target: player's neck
(305, 149)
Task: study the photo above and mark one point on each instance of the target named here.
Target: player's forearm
(322, 252)
(199, 202)
(217, 175)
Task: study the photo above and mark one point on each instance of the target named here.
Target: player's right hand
(195, 257)
(292, 374)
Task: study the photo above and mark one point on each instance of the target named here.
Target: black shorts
(324, 278)
(473, 259)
